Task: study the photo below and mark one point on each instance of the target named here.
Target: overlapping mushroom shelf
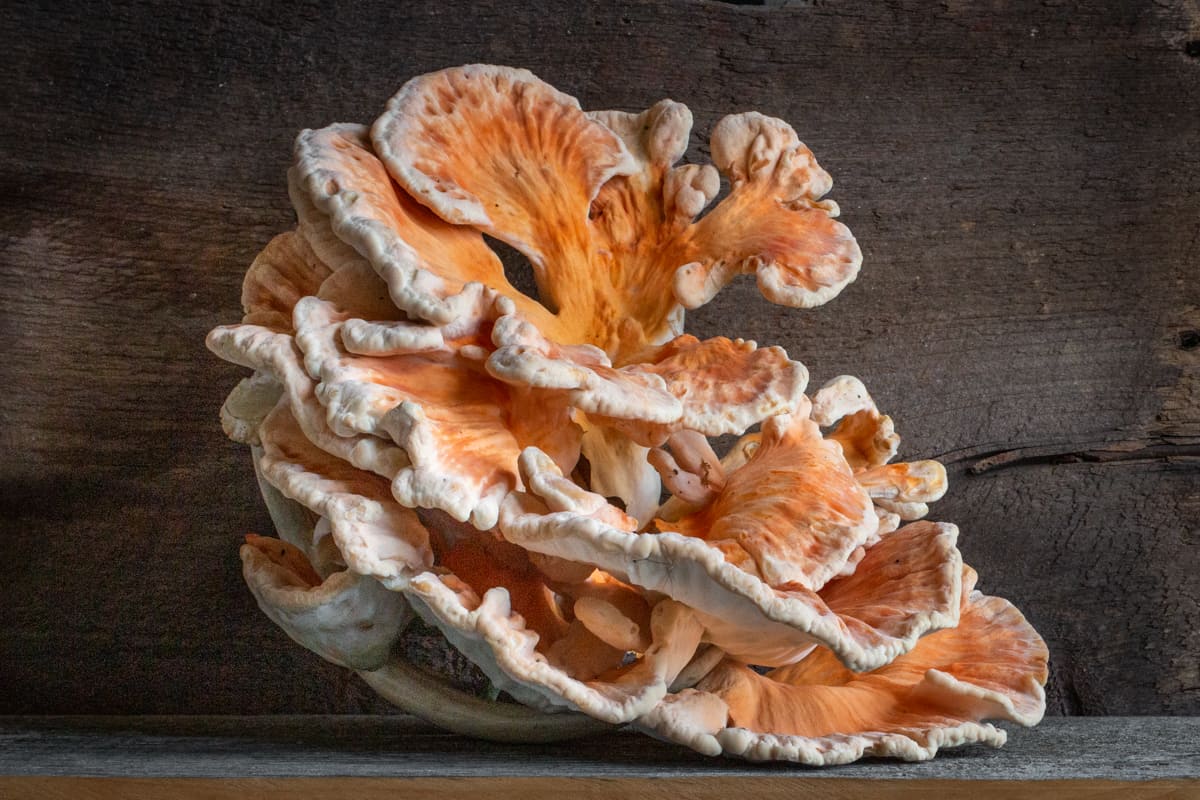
(497, 463)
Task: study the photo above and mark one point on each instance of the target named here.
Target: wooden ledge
(350, 756)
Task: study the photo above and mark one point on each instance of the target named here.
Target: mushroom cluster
(534, 476)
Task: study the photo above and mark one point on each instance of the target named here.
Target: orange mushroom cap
(992, 665)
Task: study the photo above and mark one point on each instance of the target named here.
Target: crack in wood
(1173, 452)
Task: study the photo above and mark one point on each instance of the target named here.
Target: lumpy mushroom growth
(432, 440)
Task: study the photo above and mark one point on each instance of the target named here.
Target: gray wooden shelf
(317, 756)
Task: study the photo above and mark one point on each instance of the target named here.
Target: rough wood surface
(1024, 178)
(786, 788)
(1125, 749)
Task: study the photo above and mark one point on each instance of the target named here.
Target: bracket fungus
(534, 477)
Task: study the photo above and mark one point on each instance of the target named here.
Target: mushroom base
(438, 698)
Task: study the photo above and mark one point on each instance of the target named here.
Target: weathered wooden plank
(1024, 180)
(1125, 749)
(584, 788)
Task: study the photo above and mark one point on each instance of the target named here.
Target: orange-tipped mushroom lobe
(424, 260)
(723, 385)
(611, 609)
(868, 438)
(497, 148)
(484, 562)
(715, 387)
(464, 433)
(284, 272)
(693, 453)
(907, 584)
(794, 512)
(772, 222)
(906, 482)
(462, 430)
(993, 665)
(685, 486)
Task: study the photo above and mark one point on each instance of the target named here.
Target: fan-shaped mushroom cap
(867, 437)
(349, 619)
(284, 272)
(529, 143)
(991, 666)
(425, 389)
(715, 387)
(275, 354)
(742, 613)
(425, 261)
(374, 534)
(594, 203)
(792, 515)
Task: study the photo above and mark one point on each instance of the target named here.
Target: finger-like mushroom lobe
(541, 476)
(773, 223)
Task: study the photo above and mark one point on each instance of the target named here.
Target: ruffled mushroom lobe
(773, 223)
(425, 261)
(792, 515)
(507, 617)
(993, 665)
(284, 272)
(462, 429)
(498, 149)
(595, 204)
(348, 619)
(741, 612)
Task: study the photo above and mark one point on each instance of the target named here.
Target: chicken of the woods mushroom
(432, 441)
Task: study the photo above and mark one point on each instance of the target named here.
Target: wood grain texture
(1024, 179)
(582, 788)
(1121, 749)
(551, 788)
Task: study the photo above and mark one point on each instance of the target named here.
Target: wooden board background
(1024, 178)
